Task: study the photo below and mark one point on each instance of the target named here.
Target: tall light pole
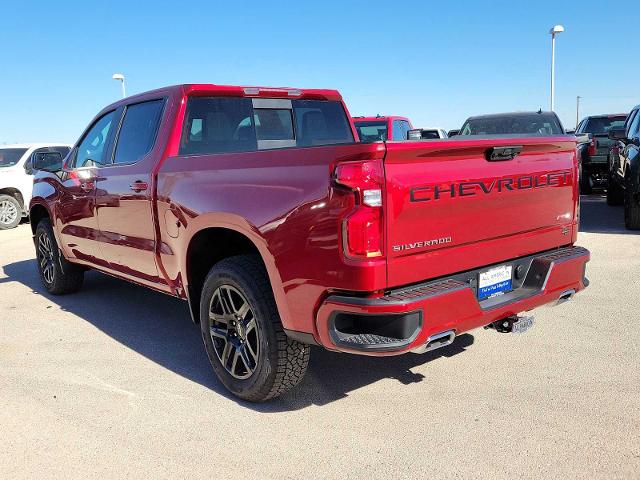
(578, 109)
(120, 77)
(554, 30)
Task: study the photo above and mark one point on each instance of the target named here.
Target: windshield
(602, 125)
(528, 124)
(10, 156)
(373, 131)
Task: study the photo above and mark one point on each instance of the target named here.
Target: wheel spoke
(219, 333)
(250, 325)
(228, 301)
(243, 310)
(216, 317)
(234, 362)
(226, 353)
(252, 352)
(244, 356)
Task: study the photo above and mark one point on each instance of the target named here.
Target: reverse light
(362, 229)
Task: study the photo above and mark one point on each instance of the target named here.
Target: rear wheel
(586, 183)
(243, 334)
(615, 194)
(57, 274)
(10, 212)
(631, 206)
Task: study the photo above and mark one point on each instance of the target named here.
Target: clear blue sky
(436, 62)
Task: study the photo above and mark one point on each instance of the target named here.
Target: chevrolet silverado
(259, 207)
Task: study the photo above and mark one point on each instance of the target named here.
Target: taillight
(593, 146)
(363, 228)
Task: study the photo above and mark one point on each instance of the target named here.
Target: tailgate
(450, 209)
(603, 144)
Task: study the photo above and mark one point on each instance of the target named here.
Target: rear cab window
(372, 131)
(237, 124)
(602, 125)
(540, 124)
(400, 129)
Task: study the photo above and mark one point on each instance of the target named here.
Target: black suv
(624, 169)
(593, 156)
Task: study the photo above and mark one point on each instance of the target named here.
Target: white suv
(16, 179)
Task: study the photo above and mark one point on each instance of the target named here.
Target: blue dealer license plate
(495, 282)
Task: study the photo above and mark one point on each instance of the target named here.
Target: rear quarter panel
(282, 200)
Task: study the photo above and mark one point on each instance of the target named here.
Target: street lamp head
(556, 29)
(118, 76)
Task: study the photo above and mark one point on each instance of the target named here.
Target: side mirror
(570, 132)
(47, 161)
(415, 134)
(28, 168)
(617, 134)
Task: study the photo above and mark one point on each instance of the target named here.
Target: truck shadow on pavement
(158, 327)
(598, 217)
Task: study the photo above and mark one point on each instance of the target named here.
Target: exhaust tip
(566, 296)
(436, 341)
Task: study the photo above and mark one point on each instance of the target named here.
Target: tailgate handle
(500, 154)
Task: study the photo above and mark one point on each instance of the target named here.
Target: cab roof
(210, 89)
(379, 118)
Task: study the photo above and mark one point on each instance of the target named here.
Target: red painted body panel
(483, 222)
(286, 203)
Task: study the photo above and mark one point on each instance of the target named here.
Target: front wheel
(58, 275)
(10, 212)
(243, 334)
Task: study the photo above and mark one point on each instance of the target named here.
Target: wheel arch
(15, 193)
(37, 212)
(227, 240)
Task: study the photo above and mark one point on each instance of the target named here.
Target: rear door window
(218, 125)
(138, 131)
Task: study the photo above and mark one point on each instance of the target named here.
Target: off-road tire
(281, 362)
(631, 206)
(62, 277)
(17, 211)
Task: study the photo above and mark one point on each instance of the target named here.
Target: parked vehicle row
(624, 168)
(261, 208)
(16, 179)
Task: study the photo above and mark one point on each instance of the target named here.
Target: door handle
(139, 186)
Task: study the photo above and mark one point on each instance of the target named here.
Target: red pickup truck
(259, 207)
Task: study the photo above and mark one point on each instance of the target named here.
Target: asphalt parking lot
(114, 382)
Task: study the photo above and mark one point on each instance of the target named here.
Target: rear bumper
(406, 319)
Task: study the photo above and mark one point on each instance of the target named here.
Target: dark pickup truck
(594, 155)
(624, 169)
(261, 209)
